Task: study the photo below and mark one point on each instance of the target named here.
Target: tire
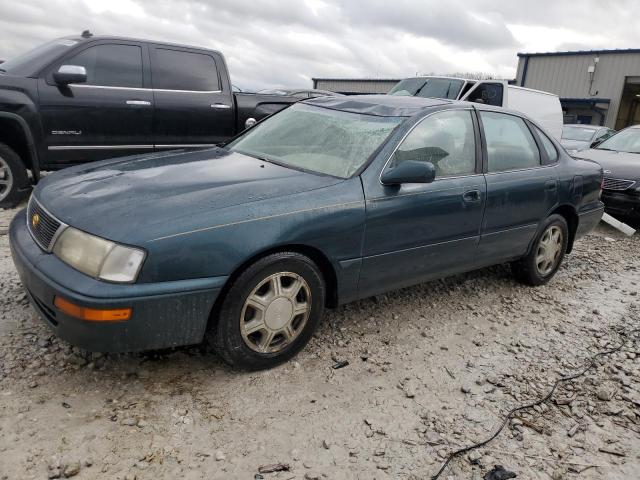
(254, 308)
(541, 264)
(14, 180)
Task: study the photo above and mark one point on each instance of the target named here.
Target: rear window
(510, 145)
(179, 70)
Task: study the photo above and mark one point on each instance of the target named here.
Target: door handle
(220, 106)
(143, 103)
(551, 185)
(471, 196)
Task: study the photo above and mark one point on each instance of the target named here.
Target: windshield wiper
(254, 155)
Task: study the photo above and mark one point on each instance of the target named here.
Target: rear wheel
(270, 311)
(546, 255)
(14, 180)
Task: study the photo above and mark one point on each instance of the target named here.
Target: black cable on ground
(591, 362)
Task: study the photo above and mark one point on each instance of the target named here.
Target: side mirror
(409, 171)
(67, 74)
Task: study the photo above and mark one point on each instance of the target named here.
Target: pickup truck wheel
(14, 180)
(546, 255)
(270, 311)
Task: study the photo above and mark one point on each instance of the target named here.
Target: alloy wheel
(6, 179)
(275, 312)
(549, 250)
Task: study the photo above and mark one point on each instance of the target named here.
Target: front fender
(330, 220)
(18, 105)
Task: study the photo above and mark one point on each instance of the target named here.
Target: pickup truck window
(111, 65)
(179, 70)
(510, 145)
(316, 139)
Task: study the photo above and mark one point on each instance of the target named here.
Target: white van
(542, 107)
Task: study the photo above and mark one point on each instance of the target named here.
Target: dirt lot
(431, 369)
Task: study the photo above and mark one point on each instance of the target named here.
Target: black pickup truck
(85, 98)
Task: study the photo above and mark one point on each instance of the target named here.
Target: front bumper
(165, 314)
(621, 204)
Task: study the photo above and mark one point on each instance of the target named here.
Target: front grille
(43, 226)
(617, 184)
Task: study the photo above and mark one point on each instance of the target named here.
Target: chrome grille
(617, 184)
(45, 230)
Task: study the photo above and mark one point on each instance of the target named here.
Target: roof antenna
(87, 34)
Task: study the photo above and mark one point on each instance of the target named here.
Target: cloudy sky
(287, 42)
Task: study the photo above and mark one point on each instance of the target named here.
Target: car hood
(615, 164)
(574, 144)
(114, 198)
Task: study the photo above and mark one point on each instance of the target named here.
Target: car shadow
(166, 365)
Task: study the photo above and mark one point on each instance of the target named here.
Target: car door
(522, 185)
(109, 115)
(419, 231)
(193, 105)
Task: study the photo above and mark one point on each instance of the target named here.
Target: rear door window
(181, 70)
(111, 65)
(510, 144)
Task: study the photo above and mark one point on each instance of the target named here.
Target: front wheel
(546, 255)
(270, 311)
(14, 180)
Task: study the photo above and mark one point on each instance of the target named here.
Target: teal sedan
(329, 201)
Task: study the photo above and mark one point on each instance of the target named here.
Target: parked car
(331, 200)
(301, 92)
(577, 136)
(619, 155)
(85, 98)
(542, 107)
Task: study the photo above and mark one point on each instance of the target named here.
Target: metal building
(354, 86)
(600, 87)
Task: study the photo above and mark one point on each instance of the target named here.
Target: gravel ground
(431, 368)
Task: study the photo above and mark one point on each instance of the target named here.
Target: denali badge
(66, 132)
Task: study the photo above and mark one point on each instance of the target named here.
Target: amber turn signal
(92, 314)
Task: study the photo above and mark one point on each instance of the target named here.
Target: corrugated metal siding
(354, 86)
(567, 76)
(521, 62)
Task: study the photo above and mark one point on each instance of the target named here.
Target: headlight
(97, 257)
